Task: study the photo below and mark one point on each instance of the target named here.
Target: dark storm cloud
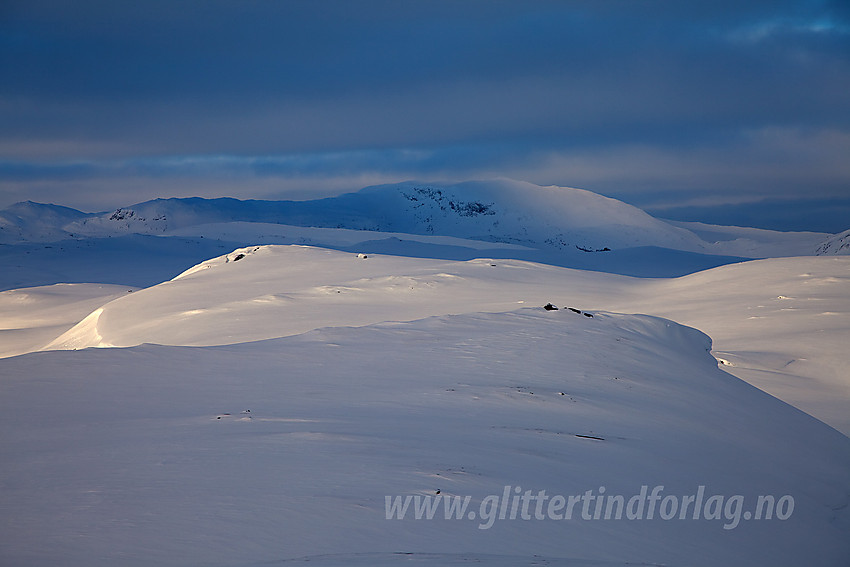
(551, 91)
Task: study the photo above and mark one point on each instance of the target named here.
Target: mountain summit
(495, 211)
(555, 221)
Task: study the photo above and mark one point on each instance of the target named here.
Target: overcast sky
(724, 111)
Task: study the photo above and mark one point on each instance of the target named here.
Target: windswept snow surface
(272, 291)
(780, 324)
(150, 455)
(32, 317)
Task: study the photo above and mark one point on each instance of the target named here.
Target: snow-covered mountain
(523, 213)
(37, 222)
(504, 211)
(495, 211)
(835, 245)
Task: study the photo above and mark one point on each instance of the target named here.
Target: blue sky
(721, 111)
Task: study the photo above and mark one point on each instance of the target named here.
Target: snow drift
(150, 455)
(780, 324)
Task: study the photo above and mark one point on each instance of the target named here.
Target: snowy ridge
(161, 215)
(154, 448)
(28, 221)
(779, 324)
(835, 245)
(753, 242)
(32, 317)
(264, 292)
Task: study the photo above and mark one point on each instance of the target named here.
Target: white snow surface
(779, 323)
(32, 317)
(267, 452)
(266, 401)
(272, 291)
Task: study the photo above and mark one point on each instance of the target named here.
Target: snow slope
(835, 245)
(780, 323)
(149, 456)
(754, 242)
(32, 317)
(272, 291)
(36, 222)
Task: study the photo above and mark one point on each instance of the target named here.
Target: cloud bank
(663, 104)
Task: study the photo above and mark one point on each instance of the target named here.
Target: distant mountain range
(498, 211)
